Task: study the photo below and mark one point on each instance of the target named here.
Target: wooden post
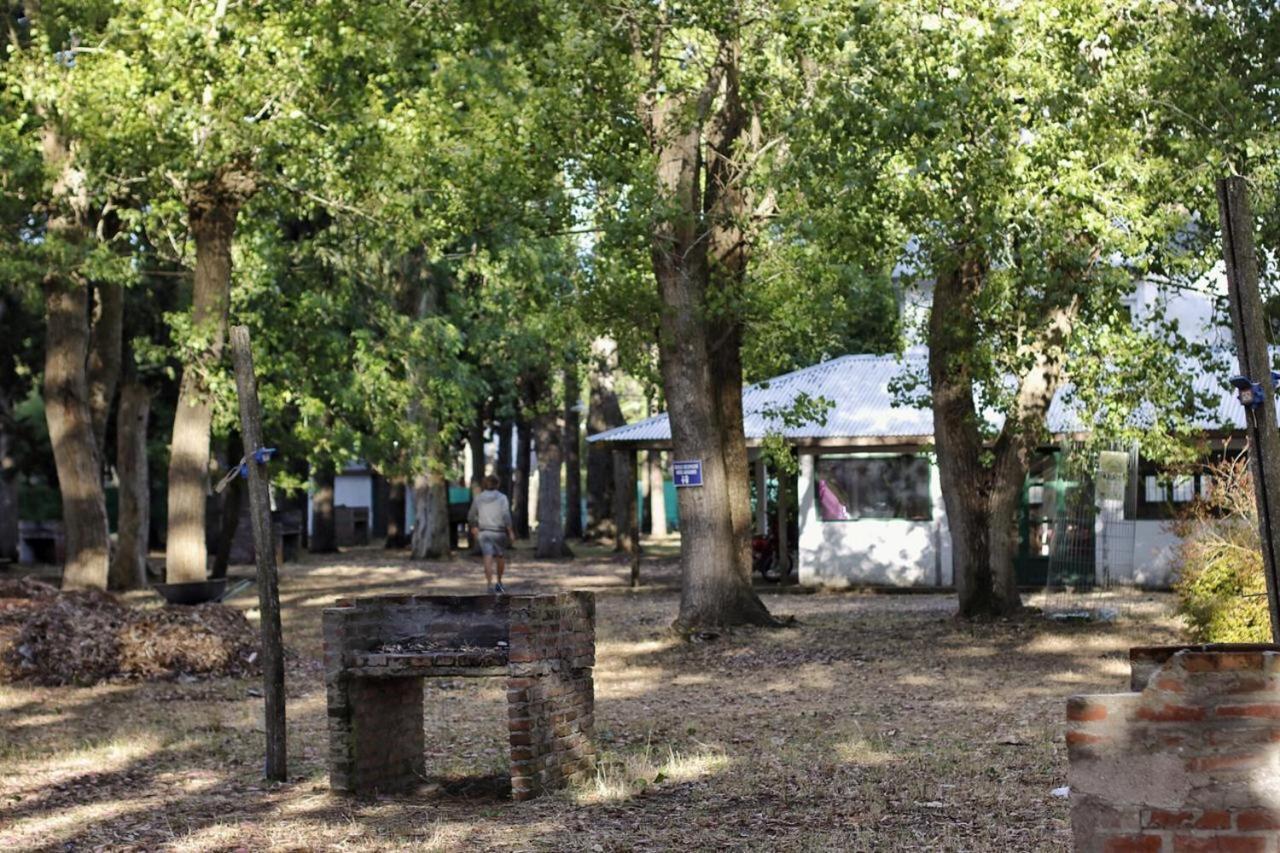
(1247, 321)
(762, 497)
(784, 546)
(268, 594)
(635, 554)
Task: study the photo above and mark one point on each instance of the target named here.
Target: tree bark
(324, 527)
(212, 208)
(603, 413)
(232, 501)
(431, 516)
(378, 512)
(105, 348)
(395, 514)
(506, 431)
(625, 538)
(475, 446)
(133, 521)
(696, 141)
(66, 385)
(981, 500)
(957, 435)
(657, 495)
(8, 493)
(524, 469)
(572, 454)
(66, 405)
(547, 437)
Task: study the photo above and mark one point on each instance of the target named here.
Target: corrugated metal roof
(864, 408)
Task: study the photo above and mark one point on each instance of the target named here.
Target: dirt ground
(878, 722)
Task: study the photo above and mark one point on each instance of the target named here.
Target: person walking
(490, 522)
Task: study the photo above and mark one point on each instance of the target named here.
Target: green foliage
(1221, 586)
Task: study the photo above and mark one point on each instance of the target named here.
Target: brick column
(1190, 763)
(551, 692)
(376, 738)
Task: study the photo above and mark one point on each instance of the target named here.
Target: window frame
(929, 501)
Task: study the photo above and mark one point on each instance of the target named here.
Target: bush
(1221, 588)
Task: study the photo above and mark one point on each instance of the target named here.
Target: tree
(1013, 145)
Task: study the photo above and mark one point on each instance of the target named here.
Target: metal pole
(1255, 365)
(263, 545)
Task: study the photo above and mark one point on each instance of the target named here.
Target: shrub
(1221, 587)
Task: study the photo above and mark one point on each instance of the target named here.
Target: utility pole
(1255, 385)
(255, 459)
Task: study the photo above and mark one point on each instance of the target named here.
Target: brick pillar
(551, 692)
(376, 739)
(1190, 762)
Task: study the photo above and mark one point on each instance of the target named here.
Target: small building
(870, 508)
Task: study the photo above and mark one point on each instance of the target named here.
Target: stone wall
(1189, 763)
(550, 691)
(543, 644)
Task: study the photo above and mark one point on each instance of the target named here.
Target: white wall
(882, 551)
(354, 490)
(1155, 551)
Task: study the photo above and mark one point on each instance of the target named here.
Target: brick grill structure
(1189, 761)
(544, 645)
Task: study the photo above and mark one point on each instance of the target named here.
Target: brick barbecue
(1188, 761)
(377, 651)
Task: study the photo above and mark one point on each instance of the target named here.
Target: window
(854, 487)
(1184, 489)
(1164, 496)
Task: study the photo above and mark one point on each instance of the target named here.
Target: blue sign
(687, 473)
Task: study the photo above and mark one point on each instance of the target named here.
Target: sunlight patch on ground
(108, 757)
(1075, 643)
(48, 830)
(1103, 668)
(863, 753)
(808, 677)
(619, 780)
(967, 652)
(629, 682)
(916, 680)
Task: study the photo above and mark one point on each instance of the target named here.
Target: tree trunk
(657, 495)
(699, 346)
(8, 495)
(66, 385)
(211, 213)
(133, 524)
(626, 530)
(572, 454)
(547, 437)
(958, 438)
(726, 384)
(105, 348)
(395, 514)
(716, 584)
(603, 413)
(324, 524)
(475, 446)
(232, 501)
(431, 516)
(66, 406)
(378, 512)
(506, 431)
(524, 468)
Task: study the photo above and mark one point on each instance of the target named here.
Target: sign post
(1255, 382)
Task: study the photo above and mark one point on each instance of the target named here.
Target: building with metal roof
(870, 503)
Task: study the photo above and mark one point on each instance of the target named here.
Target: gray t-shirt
(490, 510)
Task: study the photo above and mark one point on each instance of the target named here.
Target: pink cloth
(831, 507)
